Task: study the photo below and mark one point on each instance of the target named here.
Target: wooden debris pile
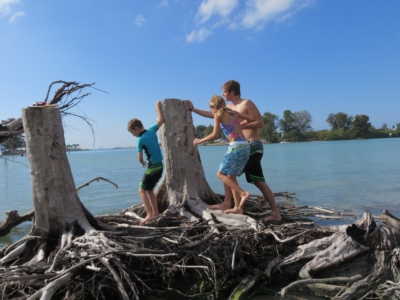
(172, 258)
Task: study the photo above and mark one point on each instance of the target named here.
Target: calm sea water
(358, 175)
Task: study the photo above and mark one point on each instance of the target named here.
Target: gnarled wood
(13, 219)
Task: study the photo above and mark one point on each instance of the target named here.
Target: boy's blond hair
(132, 124)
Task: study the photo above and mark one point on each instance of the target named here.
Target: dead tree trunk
(183, 188)
(59, 214)
(183, 176)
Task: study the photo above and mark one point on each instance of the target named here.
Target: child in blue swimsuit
(238, 153)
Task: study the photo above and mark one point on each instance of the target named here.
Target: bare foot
(147, 220)
(222, 206)
(243, 198)
(273, 219)
(235, 210)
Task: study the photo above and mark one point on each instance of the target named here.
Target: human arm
(252, 110)
(245, 117)
(214, 135)
(160, 115)
(203, 113)
(140, 158)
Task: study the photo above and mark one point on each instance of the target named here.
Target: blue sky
(324, 56)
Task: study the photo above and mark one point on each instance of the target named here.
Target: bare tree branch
(66, 97)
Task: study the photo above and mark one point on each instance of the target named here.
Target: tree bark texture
(183, 176)
(56, 203)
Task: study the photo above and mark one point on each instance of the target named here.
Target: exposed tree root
(174, 258)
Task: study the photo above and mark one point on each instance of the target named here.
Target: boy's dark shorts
(150, 178)
(253, 169)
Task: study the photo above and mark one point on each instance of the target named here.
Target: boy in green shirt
(147, 142)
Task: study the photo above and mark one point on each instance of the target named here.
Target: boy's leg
(150, 179)
(147, 205)
(153, 203)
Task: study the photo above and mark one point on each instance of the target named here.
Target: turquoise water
(358, 175)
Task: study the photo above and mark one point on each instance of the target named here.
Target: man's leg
(269, 196)
(254, 174)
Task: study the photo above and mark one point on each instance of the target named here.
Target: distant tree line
(296, 127)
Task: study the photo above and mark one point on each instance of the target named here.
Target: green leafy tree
(287, 123)
(302, 120)
(199, 131)
(208, 130)
(320, 135)
(271, 124)
(295, 136)
(340, 120)
(361, 126)
(339, 134)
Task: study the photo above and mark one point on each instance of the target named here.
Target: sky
(323, 56)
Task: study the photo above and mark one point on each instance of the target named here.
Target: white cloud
(140, 20)
(5, 6)
(163, 3)
(198, 36)
(221, 7)
(258, 12)
(15, 16)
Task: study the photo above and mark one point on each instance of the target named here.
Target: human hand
(144, 164)
(243, 124)
(191, 107)
(196, 142)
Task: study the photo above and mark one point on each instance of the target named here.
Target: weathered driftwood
(173, 247)
(13, 219)
(10, 127)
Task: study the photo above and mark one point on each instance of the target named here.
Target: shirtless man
(253, 169)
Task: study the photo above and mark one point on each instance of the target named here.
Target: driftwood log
(13, 219)
(10, 127)
(189, 251)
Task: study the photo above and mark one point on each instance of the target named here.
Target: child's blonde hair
(219, 104)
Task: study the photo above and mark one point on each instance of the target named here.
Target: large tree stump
(183, 187)
(59, 213)
(183, 176)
